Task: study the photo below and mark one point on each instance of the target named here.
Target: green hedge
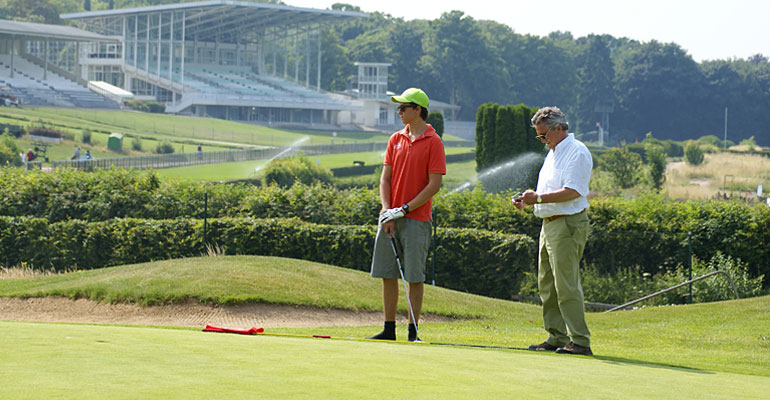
(479, 262)
(15, 130)
(649, 232)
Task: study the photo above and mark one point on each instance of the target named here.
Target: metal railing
(677, 287)
(210, 157)
(170, 160)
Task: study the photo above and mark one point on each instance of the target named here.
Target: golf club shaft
(401, 270)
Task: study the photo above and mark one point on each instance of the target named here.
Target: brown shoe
(572, 348)
(545, 346)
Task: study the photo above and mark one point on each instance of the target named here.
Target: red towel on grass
(250, 331)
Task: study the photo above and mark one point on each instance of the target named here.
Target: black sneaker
(545, 346)
(383, 336)
(576, 349)
(413, 333)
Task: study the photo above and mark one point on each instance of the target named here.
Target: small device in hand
(515, 196)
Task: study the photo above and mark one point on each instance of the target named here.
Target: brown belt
(555, 217)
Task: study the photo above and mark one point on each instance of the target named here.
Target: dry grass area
(23, 271)
(719, 173)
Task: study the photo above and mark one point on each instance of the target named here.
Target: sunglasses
(542, 137)
(404, 106)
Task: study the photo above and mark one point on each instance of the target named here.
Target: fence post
(433, 245)
(689, 250)
(205, 218)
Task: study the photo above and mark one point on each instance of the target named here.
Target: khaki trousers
(561, 247)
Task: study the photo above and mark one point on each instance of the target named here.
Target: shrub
(9, 151)
(648, 232)
(146, 106)
(715, 288)
(47, 132)
(484, 263)
(714, 141)
(750, 144)
(656, 157)
(15, 130)
(436, 120)
(623, 165)
(285, 171)
(136, 144)
(86, 136)
(627, 284)
(652, 232)
(673, 149)
(693, 154)
(164, 147)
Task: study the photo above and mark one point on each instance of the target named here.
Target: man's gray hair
(551, 117)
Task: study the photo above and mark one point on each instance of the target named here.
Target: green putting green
(96, 362)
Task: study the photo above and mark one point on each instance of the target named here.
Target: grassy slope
(731, 336)
(176, 127)
(184, 133)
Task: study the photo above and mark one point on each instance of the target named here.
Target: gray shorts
(413, 240)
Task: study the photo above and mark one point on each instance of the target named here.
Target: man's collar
(566, 139)
(429, 131)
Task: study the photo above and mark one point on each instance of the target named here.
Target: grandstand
(234, 60)
(251, 62)
(27, 73)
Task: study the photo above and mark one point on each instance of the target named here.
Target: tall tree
(405, 40)
(459, 61)
(596, 75)
(505, 140)
(334, 59)
(726, 89)
(656, 84)
(481, 113)
(42, 11)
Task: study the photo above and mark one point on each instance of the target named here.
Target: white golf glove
(391, 214)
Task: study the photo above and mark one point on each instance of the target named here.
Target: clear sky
(706, 29)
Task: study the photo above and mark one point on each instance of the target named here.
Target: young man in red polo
(411, 175)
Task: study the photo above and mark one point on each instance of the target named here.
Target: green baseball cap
(412, 95)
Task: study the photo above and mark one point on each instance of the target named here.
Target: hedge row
(649, 231)
(479, 262)
(362, 169)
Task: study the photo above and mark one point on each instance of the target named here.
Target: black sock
(413, 332)
(388, 332)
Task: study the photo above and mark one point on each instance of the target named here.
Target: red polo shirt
(411, 163)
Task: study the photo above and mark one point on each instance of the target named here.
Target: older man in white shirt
(560, 200)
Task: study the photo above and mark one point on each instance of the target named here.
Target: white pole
(601, 136)
(725, 143)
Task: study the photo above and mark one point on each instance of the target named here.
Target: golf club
(401, 270)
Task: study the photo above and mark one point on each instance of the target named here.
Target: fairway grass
(98, 362)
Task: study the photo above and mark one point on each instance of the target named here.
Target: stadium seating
(38, 87)
(229, 80)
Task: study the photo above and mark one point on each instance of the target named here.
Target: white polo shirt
(568, 165)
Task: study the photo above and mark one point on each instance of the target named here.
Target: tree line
(653, 87)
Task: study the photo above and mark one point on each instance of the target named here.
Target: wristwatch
(405, 207)
(539, 199)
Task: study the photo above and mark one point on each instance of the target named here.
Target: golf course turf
(702, 351)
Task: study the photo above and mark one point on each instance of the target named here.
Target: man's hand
(391, 214)
(525, 199)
